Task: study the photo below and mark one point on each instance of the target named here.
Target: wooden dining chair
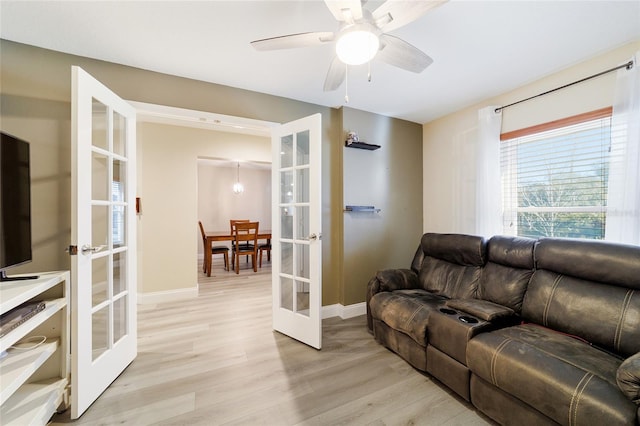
(261, 249)
(224, 250)
(231, 223)
(245, 243)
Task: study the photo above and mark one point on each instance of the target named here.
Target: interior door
(296, 239)
(103, 236)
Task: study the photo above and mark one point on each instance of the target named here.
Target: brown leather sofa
(529, 331)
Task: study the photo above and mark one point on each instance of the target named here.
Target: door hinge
(72, 250)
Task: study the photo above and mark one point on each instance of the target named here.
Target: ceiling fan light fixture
(357, 47)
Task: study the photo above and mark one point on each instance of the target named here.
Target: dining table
(226, 236)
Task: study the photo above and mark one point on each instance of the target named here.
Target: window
(554, 178)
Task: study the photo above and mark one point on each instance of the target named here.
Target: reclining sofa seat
(581, 315)
(401, 301)
(497, 303)
(458, 286)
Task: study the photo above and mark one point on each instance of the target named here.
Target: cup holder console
(462, 318)
(467, 319)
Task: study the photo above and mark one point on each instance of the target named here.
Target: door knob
(314, 237)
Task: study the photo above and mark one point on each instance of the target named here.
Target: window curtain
(623, 198)
(488, 186)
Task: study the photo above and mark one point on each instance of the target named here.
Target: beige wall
(389, 179)
(449, 142)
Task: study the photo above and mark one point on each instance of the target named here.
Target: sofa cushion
(449, 279)
(616, 264)
(562, 377)
(407, 311)
(605, 315)
(509, 267)
(460, 249)
(628, 378)
(450, 264)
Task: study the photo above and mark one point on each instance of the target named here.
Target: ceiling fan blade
(401, 54)
(394, 14)
(293, 40)
(335, 75)
(345, 10)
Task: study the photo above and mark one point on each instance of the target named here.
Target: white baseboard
(167, 296)
(344, 312)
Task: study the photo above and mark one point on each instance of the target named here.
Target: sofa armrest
(482, 309)
(389, 280)
(628, 378)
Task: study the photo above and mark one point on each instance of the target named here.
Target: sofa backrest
(587, 288)
(508, 270)
(450, 264)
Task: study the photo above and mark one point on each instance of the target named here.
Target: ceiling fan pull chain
(369, 72)
(346, 83)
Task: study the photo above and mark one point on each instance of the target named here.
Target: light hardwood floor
(216, 361)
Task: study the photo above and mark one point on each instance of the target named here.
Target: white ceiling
(480, 48)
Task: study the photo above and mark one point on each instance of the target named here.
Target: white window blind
(554, 183)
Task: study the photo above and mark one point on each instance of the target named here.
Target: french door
(103, 235)
(296, 239)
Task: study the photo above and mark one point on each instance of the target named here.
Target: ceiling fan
(361, 36)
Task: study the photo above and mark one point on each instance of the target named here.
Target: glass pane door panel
(100, 332)
(286, 188)
(286, 151)
(286, 258)
(302, 260)
(99, 280)
(302, 185)
(302, 298)
(302, 221)
(99, 177)
(119, 134)
(99, 125)
(119, 318)
(119, 179)
(302, 148)
(286, 222)
(99, 226)
(119, 272)
(118, 226)
(286, 293)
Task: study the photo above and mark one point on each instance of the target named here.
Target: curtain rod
(628, 66)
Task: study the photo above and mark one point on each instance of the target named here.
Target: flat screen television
(15, 204)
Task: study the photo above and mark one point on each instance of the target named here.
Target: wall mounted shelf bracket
(371, 209)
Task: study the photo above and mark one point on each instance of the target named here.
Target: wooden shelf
(370, 209)
(52, 306)
(362, 145)
(18, 366)
(34, 403)
(34, 383)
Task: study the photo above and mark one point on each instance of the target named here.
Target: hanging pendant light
(238, 188)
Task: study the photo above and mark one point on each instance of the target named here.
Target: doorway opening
(172, 144)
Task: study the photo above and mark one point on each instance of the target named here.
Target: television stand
(4, 277)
